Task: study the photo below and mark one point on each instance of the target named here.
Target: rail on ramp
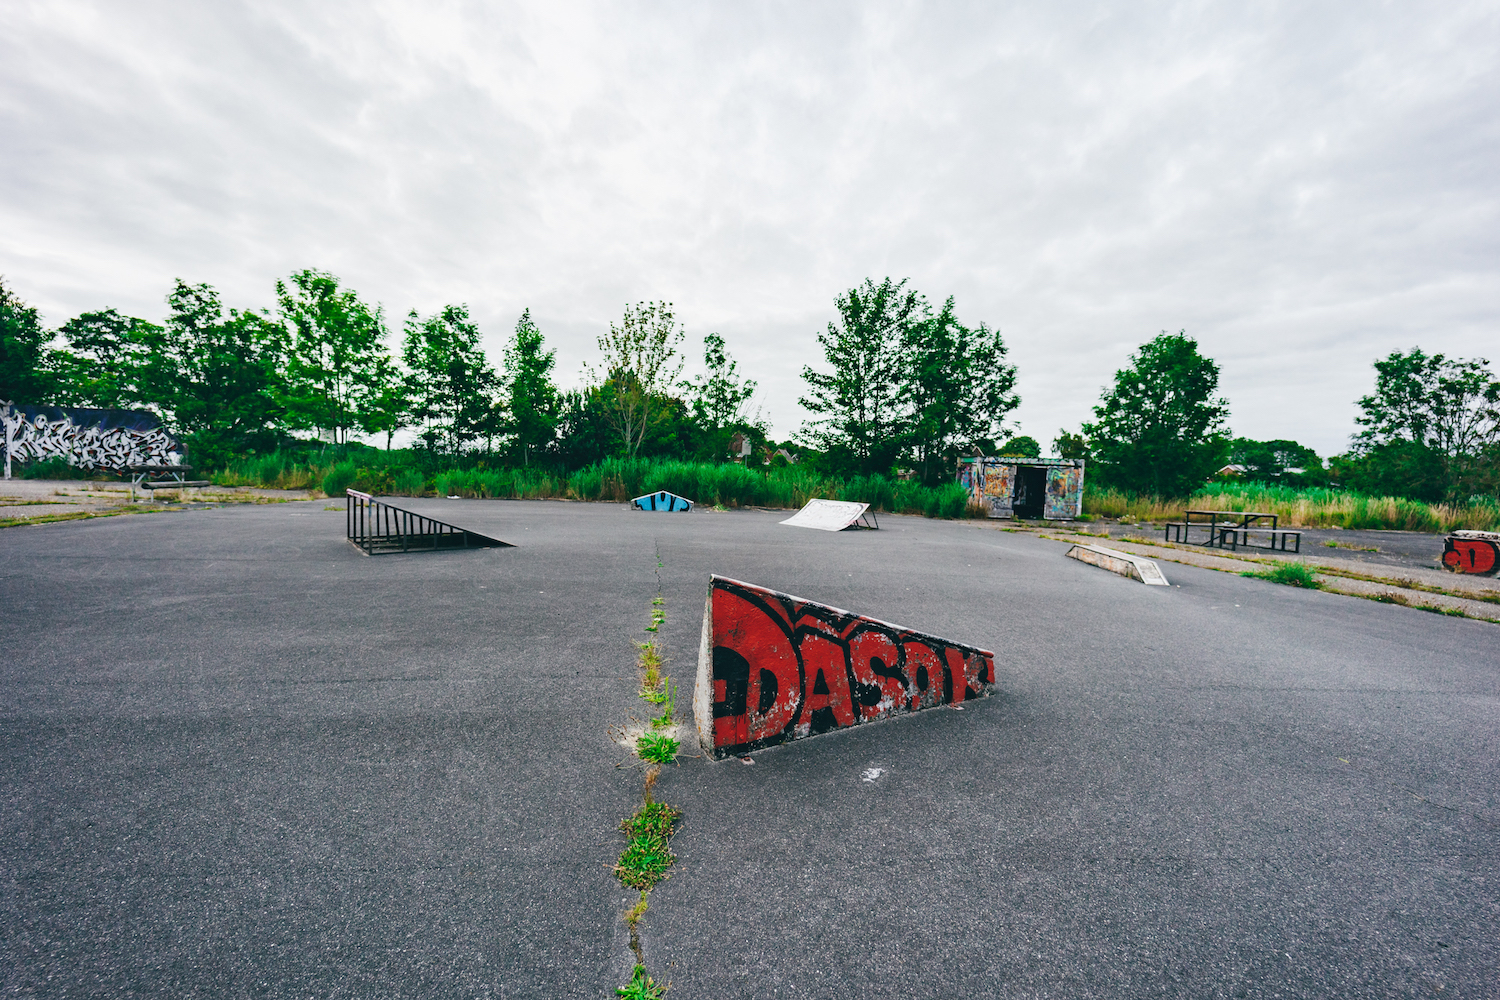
(377, 527)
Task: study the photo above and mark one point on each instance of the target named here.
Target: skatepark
(244, 758)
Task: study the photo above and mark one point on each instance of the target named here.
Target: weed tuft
(650, 664)
(657, 748)
(664, 720)
(1290, 574)
(637, 911)
(641, 987)
(647, 856)
(1335, 544)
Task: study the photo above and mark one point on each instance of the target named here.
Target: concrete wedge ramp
(1123, 563)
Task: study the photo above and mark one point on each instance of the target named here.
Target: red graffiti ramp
(773, 668)
(1476, 552)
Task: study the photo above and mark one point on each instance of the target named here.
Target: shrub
(339, 478)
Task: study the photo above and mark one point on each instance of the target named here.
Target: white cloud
(1301, 187)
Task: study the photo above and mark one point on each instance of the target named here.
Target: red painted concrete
(774, 668)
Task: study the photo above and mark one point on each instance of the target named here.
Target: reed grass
(1301, 508)
(730, 485)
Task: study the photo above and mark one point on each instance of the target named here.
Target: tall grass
(1303, 508)
(620, 479)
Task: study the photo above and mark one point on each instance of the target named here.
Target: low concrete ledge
(1123, 563)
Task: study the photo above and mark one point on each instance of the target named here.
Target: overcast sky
(1302, 187)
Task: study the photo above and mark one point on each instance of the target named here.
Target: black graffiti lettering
(733, 671)
(767, 692)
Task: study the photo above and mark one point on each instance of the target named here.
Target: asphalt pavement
(243, 759)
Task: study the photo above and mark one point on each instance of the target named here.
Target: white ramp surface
(827, 515)
(1123, 563)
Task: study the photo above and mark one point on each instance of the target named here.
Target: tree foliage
(639, 368)
(906, 383)
(105, 354)
(1161, 428)
(337, 356)
(533, 400)
(719, 400)
(1430, 430)
(25, 377)
(1278, 461)
(216, 377)
(959, 387)
(859, 412)
(450, 385)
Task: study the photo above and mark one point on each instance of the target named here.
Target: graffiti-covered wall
(1002, 485)
(95, 439)
(775, 668)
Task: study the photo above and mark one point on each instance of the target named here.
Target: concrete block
(1123, 563)
(661, 500)
(773, 668)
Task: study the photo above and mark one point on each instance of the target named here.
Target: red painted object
(775, 668)
(1476, 552)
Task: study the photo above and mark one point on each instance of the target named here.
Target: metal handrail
(374, 526)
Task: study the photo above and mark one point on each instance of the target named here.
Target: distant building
(1010, 486)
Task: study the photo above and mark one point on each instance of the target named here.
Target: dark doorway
(1031, 491)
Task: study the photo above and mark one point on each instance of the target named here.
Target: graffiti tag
(780, 668)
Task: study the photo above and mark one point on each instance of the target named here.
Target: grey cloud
(1302, 187)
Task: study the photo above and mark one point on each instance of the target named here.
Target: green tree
(531, 395)
(1160, 429)
(719, 397)
(584, 431)
(958, 388)
(640, 367)
(387, 409)
(1070, 445)
(106, 356)
(1278, 461)
(216, 378)
(718, 400)
(860, 416)
(450, 383)
(337, 348)
(1431, 428)
(26, 375)
(1023, 447)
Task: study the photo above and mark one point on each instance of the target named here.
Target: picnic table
(1234, 529)
(141, 477)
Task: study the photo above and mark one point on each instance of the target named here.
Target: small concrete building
(1011, 486)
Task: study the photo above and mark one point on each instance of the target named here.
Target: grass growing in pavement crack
(656, 748)
(1391, 597)
(648, 853)
(648, 832)
(650, 664)
(1292, 574)
(663, 720)
(641, 987)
